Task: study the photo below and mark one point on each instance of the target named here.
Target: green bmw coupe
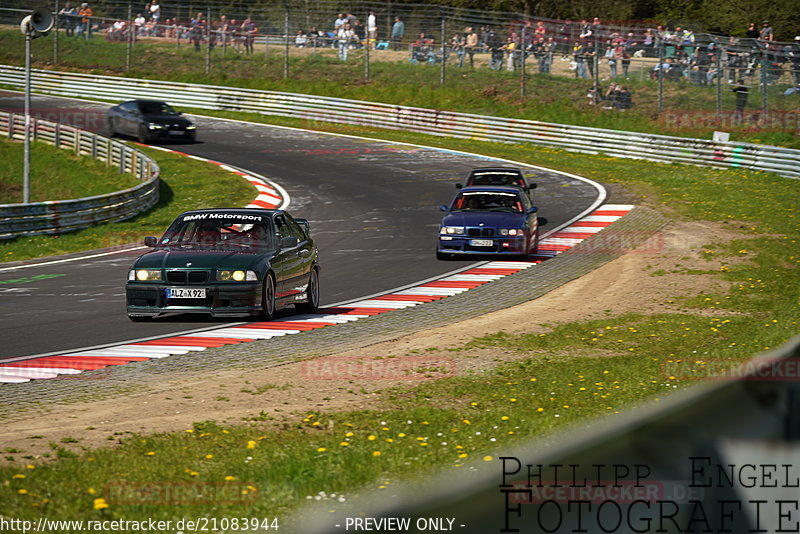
(227, 263)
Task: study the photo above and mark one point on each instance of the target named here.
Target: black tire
(144, 135)
(111, 131)
(312, 295)
(443, 256)
(268, 298)
(139, 318)
(535, 249)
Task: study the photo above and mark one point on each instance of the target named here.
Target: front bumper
(500, 245)
(221, 300)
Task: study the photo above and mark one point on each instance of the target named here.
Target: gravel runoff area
(22, 400)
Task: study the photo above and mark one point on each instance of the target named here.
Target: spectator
(67, 22)
(496, 47)
(223, 31)
(766, 32)
(85, 21)
(155, 11)
(197, 29)
(351, 19)
(316, 37)
(611, 58)
(249, 31)
(471, 45)
(624, 98)
(372, 30)
(741, 101)
(733, 59)
(398, 31)
(752, 31)
(509, 52)
(344, 38)
(589, 54)
(339, 22)
(301, 39)
(540, 30)
(138, 24)
(579, 60)
(586, 30)
(457, 44)
(794, 58)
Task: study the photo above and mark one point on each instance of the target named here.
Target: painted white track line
(75, 362)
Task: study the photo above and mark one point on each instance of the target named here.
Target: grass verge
(689, 110)
(572, 373)
(185, 184)
(56, 174)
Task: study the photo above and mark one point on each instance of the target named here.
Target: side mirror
(180, 113)
(541, 220)
(150, 242)
(534, 209)
(289, 242)
(443, 208)
(459, 186)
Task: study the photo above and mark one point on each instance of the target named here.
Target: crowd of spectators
(586, 45)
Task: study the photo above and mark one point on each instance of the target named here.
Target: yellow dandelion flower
(92, 491)
(321, 449)
(463, 455)
(22, 491)
(487, 458)
(504, 418)
(100, 503)
(344, 444)
(151, 453)
(230, 478)
(30, 466)
(251, 444)
(376, 453)
(466, 422)
(371, 438)
(209, 456)
(539, 409)
(189, 431)
(401, 435)
(18, 475)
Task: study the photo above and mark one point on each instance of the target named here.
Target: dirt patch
(645, 281)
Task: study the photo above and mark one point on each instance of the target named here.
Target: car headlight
(144, 275)
(191, 127)
(512, 231)
(154, 126)
(236, 276)
(452, 230)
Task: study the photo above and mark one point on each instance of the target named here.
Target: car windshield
(156, 108)
(496, 178)
(487, 201)
(216, 231)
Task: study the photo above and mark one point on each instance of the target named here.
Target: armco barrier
(651, 147)
(55, 217)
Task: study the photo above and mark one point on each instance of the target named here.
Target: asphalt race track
(373, 208)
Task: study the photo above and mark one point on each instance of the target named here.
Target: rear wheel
(111, 131)
(312, 295)
(535, 248)
(144, 135)
(268, 298)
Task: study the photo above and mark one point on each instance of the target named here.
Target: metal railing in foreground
(652, 147)
(720, 457)
(56, 217)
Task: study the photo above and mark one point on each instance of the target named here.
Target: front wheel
(312, 295)
(443, 256)
(268, 298)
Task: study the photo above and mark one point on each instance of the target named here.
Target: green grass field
(56, 174)
(574, 372)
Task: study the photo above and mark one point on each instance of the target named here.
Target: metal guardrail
(56, 217)
(652, 147)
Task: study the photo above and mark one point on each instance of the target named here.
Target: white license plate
(176, 132)
(186, 293)
(481, 242)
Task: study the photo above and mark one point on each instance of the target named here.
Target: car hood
(490, 219)
(200, 258)
(167, 119)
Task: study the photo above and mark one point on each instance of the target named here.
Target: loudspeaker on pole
(38, 23)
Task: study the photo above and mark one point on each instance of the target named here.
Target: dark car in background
(497, 176)
(150, 120)
(494, 220)
(226, 262)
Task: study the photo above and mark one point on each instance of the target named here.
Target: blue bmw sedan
(489, 220)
